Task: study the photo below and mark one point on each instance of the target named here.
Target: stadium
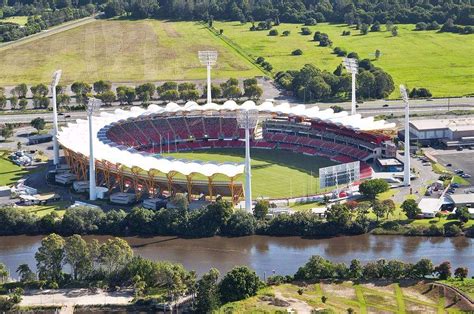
(153, 151)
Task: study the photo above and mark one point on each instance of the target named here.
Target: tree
(340, 215)
(126, 94)
(81, 89)
(50, 258)
(394, 31)
(253, 91)
(168, 95)
(76, 254)
(443, 270)
(260, 210)
(115, 254)
(240, 223)
(7, 131)
(38, 124)
(411, 209)
(82, 220)
(102, 86)
(3, 101)
(371, 188)
(207, 296)
(13, 102)
(20, 90)
(461, 273)
(238, 284)
(108, 97)
(355, 269)
(423, 268)
(379, 209)
(39, 90)
(273, 32)
(297, 52)
(462, 214)
(25, 273)
(232, 92)
(364, 29)
(3, 273)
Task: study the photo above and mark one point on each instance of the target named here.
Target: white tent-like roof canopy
(74, 136)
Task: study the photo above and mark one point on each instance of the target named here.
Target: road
(366, 109)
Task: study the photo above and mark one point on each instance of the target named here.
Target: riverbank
(265, 254)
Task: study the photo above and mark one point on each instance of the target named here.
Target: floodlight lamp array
(403, 92)
(247, 119)
(56, 78)
(93, 105)
(351, 65)
(207, 57)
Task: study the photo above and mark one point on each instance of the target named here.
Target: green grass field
(275, 173)
(20, 20)
(121, 51)
(9, 172)
(361, 298)
(438, 61)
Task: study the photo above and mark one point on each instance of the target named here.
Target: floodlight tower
(406, 176)
(54, 83)
(92, 106)
(208, 58)
(352, 67)
(247, 119)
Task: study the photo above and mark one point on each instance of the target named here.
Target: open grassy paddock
(361, 298)
(20, 20)
(121, 51)
(275, 173)
(438, 61)
(9, 172)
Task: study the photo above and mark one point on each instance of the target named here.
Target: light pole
(208, 58)
(352, 67)
(406, 173)
(92, 106)
(54, 83)
(247, 119)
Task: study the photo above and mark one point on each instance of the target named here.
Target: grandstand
(129, 144)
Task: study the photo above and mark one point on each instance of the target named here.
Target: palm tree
(25, 273)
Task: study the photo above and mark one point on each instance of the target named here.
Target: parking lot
(459, 160)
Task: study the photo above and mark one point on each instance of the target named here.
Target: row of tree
(318, 268)
(299, 11)
(168, 91)
(44, 20)
(311, 84)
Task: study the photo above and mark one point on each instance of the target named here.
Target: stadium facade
(129, 145)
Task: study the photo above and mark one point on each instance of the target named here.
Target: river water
(281, 255)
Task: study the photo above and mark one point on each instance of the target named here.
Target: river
(282, 255)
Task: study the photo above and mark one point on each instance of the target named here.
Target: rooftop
(437, 124)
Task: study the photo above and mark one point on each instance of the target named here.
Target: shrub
(297, 52)
(306, 31)
(273, 32)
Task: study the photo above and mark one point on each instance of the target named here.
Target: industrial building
(450, 133)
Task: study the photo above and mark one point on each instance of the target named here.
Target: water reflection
(267, 254)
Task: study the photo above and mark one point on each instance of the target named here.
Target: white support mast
(352, 67)
(54, 84)
(406, 174)
(208, 58)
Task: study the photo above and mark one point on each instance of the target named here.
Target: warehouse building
(449, 133)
